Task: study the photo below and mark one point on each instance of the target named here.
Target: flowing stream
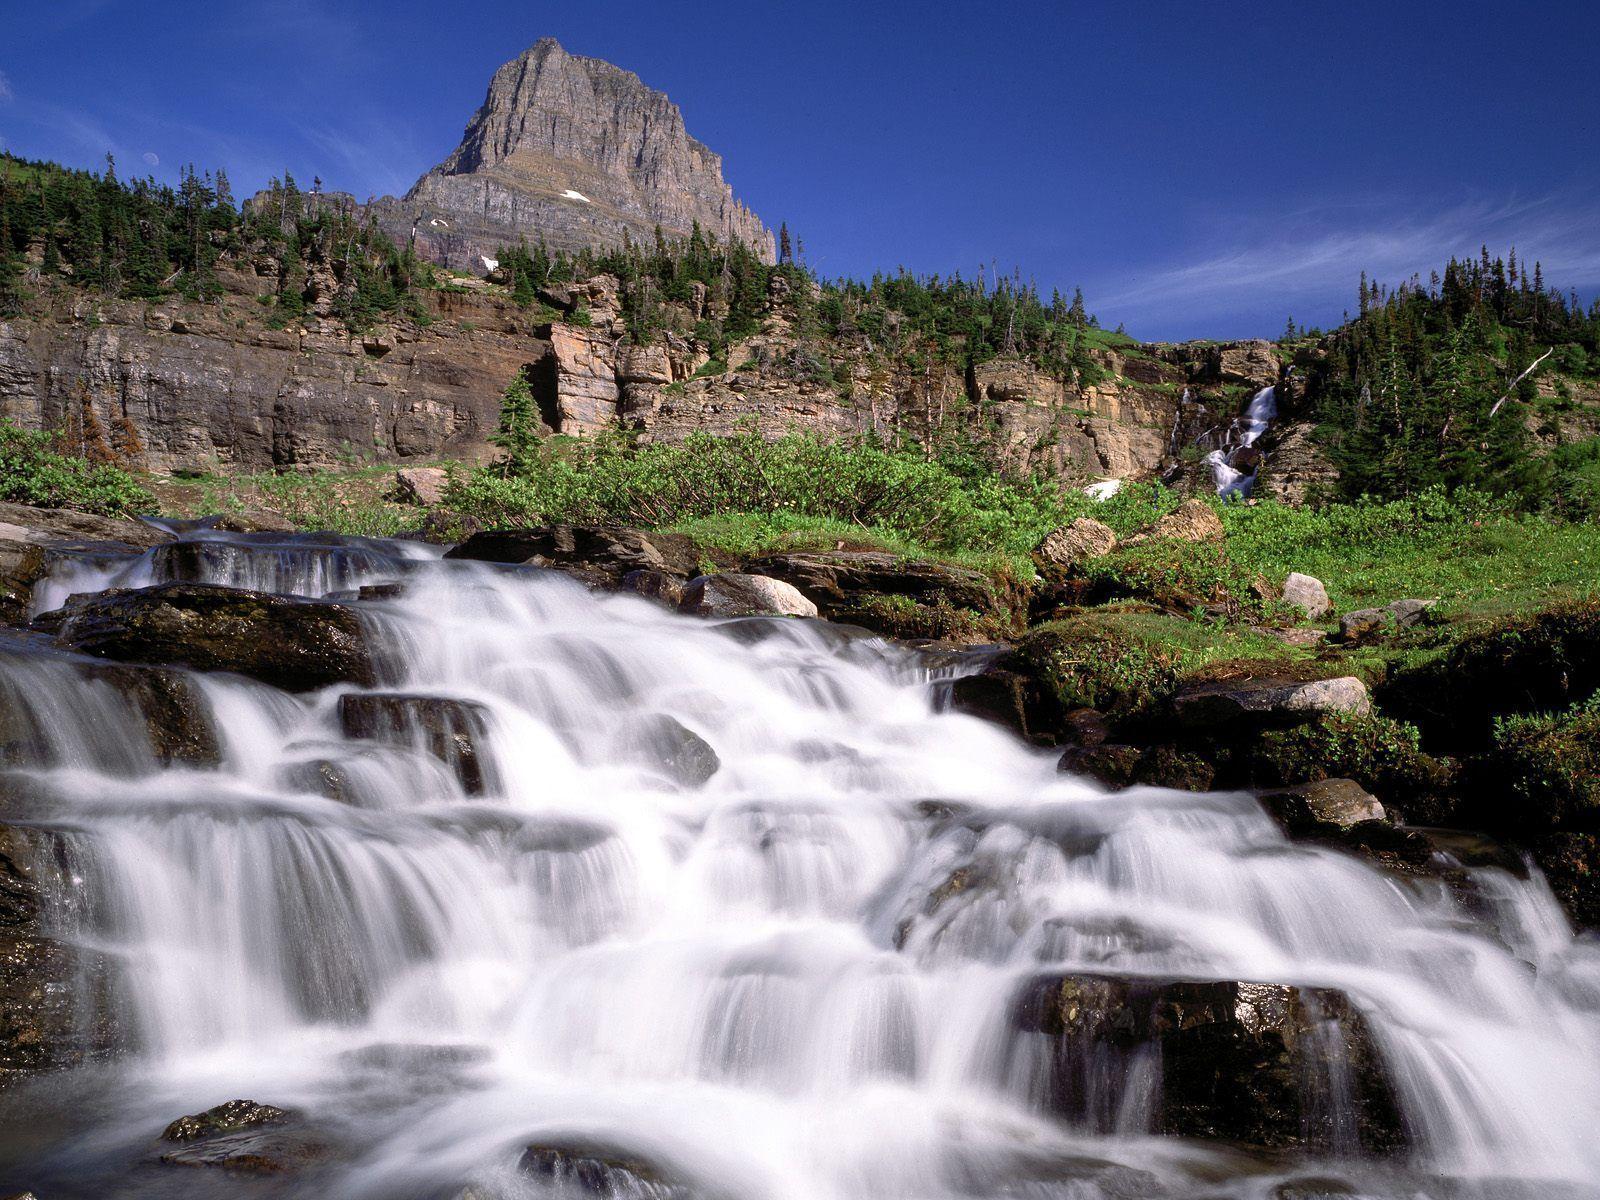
(796, 980)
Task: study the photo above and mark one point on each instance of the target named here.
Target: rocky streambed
(551, 863)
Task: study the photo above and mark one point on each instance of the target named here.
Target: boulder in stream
(298, 645)
(1268, 1065)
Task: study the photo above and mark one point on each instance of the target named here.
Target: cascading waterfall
(797, 979)
(1236, 463)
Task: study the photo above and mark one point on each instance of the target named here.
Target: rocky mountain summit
(575, 151)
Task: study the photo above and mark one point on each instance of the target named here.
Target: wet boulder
(177, 721)
(736, 594)
(246, 1137)
(57, 1004)
(598, 1170)
(655, 585)
(449, 729)
(1268, 1065)
(32, 538)
(298, 645)
(229, 1117)
(671, 747)
(600, 554)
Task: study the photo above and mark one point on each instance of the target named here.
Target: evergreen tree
(519, 427)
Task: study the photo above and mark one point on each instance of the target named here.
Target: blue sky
(1199, 168)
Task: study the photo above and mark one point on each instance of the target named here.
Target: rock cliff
(573, 150)
(180, 387)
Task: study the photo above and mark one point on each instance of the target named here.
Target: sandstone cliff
(573, 150)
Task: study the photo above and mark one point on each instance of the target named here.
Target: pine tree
(785, 250)
(518, 431)
(1077, 314)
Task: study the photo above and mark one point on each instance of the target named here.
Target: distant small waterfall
(1236, 463)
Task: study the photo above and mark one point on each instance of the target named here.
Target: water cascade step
(505, 885)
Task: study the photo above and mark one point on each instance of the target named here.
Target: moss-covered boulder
(1090, 661)
(1541, 773)
(1544, 662)
(299, 645)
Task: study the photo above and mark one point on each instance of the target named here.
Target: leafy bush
(33, 472)
(1549, 764)
(1085, 662)
(864, 485)
(1382, 755)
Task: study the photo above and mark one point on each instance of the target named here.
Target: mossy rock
(1541, 773)
(1381, 754)
(1087, 662)
(1545, 662)
(1175, 576)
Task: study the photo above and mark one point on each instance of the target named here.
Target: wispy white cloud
(5, 88)
(1307, 262)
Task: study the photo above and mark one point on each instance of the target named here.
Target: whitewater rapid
(765, 981)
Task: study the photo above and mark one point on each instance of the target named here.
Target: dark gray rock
(1267, 1065)
(299, 645)
(448, 728)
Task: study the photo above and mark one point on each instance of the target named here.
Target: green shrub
(877, 491)
(1084, 662)
(1382, 755)
(32, 472)
(1549, 767)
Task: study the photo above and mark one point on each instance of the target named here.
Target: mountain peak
(577, 151)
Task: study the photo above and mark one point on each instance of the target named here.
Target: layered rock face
(577, 152)
(204, 388)
(189, 387)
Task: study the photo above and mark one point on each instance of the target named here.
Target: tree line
(141, 239)
(1430, 384)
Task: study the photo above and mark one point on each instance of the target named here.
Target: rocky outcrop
(573, 151)
(295, 644)
(1296, 469)
(31, 539)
